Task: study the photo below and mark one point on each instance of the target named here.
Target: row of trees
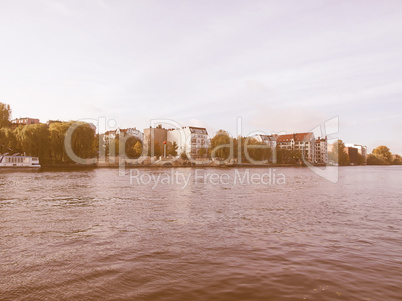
(382, 155)
(46, 141)
(133, 148)
(249, 150)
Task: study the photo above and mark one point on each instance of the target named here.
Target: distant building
(304, 142)
(267, 139)
(154, 139)
(126, 133)
(194, 141)
(353, 154)
(321, 151)
(361, 150)
(25, 121)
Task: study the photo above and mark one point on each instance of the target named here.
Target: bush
(377, 160)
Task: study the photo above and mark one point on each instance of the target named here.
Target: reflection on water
(90, 235)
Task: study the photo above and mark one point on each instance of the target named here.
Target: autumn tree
(382, 155)
(397, 160)
(138, 149)
(373, 159)
(384, 151)
(129, 146)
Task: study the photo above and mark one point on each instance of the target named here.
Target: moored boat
(16, 161)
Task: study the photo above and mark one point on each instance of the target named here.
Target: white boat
(16, 160)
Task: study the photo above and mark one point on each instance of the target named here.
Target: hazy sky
(279, 65)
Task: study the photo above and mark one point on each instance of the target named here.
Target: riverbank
(166, 165)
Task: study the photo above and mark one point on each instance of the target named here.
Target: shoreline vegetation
(47, 141)
(168, 165)
(223, 166)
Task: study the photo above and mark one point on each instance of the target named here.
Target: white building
(194, 141)
(25, 121)
(130, 132)
(267, 139)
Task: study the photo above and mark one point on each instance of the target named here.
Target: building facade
(153, 141)
(25, 121)
(130, 132)
(267, 139)
(361, 150)
(353, 155)
(303, 142)
(193, 141)
(321, 151)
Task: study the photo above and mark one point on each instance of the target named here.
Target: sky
(278, 66)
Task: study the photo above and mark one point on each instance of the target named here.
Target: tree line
(382, 155)
(249, 150)
(45, 141)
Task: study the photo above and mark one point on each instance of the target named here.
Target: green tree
(82, 141)
(138, 149)
(222, 146)
(373, 159)
(203, 152)
(116, 142)
(397, 160)
(5, 115)
(8, 141)
(129, 146)
(183, 155)
(57, 132)
(258, 152)
(360, 159)
(284, 156)
(34, 140)
(339, 154)
(172, 149)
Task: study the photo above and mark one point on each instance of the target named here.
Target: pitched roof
(295, 137)
(110, 132)
(194, 129)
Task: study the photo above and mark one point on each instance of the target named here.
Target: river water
(95, 235)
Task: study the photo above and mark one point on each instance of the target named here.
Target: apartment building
(304, 142)
(194, 141)
(321, 151)
(154, 139)
(267, 139)
(24, 121)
